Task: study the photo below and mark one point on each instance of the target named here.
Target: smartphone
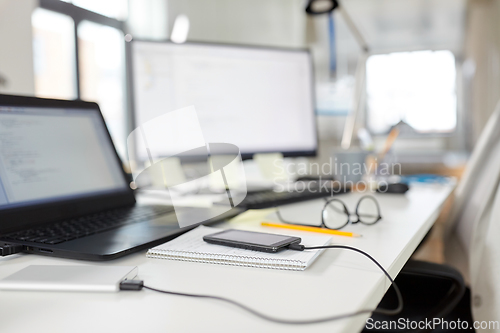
(250, 240)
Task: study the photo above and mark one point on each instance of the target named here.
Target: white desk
(338, 282)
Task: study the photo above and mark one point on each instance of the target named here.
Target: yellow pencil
(311, 229)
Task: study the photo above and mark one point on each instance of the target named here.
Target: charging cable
(139, 285)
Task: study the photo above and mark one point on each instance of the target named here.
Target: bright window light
(415, 87)
(54, 54)
(180, 30)
(102, 75)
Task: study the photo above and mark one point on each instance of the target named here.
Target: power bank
(69, 278)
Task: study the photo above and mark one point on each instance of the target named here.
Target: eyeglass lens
(335, 215)
(368, 210)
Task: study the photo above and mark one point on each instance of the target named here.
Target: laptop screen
(55, 154)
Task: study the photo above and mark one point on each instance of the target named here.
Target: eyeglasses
(335, 214)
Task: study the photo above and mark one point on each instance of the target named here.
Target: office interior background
(432, 67)
(428, 68)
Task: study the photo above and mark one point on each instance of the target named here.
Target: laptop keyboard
(88, 225)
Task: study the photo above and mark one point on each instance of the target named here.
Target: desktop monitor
(259, 99)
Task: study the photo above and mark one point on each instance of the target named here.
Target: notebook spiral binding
(234, 260)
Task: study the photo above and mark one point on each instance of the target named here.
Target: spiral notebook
(192, 247)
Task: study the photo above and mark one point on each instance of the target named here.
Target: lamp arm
(354, 29)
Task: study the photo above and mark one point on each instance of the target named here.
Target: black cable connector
(135, 285)
(297, 247)
(8, 249)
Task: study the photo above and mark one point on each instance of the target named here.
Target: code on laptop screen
(51, 154)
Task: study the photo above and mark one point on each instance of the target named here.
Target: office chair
(439, 291)
(471, 236)
(429, 291)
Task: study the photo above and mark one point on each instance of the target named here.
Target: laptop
(64, 192)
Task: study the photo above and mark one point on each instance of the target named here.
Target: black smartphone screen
(258, 241)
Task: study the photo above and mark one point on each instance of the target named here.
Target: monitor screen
(259, 99)
(55, 154)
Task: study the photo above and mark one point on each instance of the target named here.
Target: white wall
(148, 19)
(259, 22)
(482, 64)
(16, 53)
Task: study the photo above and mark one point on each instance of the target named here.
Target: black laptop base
(124, 238)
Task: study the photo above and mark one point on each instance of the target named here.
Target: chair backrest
(478, 184)
(474, 225)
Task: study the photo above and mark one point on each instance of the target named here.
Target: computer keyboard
(88, 225)
(267, 199)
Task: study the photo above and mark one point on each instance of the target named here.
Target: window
(91, 68)
(54, 54)
(102, 75)
(417, 88)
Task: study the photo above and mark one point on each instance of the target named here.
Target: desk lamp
(320, 7)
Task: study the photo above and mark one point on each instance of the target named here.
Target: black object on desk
(268, 199)
(396, 188)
